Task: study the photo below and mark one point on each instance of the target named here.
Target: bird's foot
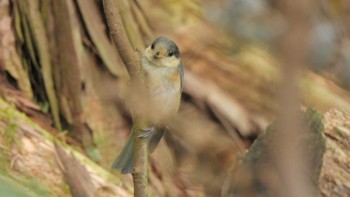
(147, 132)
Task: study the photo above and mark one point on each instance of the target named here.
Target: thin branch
(115, 24)
(131, 61)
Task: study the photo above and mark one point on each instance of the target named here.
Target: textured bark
(10, 57)
(70, 61)
(335, 177)
(41, 43)
(97, 31)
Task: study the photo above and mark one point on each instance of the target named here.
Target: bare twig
(131, 61)
(115, 24)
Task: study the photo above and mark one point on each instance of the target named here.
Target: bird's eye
(152, 46)
(171, 53)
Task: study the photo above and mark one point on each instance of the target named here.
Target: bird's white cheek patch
(171, 62)
(148, 52)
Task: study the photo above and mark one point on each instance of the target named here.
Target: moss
(9, 129)
(4, 161)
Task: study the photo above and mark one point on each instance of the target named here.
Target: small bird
(163, 74)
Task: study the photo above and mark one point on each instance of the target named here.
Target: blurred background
(247, 63)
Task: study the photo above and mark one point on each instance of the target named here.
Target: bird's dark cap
(172, 48)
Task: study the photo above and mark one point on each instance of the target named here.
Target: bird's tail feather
(155, 139)
(125, 160)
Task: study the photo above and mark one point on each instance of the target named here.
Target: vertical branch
(293, 49)
(115, 24)
(131, 61)
(140, 171)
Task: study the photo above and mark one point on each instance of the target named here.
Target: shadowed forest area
(264, 109)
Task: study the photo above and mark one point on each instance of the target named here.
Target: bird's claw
(147, 132)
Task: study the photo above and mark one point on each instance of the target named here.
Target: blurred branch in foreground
(286, 147)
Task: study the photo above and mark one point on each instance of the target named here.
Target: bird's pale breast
(164, 85)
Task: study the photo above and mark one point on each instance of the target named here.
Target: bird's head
(163, 52)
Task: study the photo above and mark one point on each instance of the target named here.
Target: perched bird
(163, 74)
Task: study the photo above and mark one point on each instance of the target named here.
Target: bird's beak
(156, 54)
